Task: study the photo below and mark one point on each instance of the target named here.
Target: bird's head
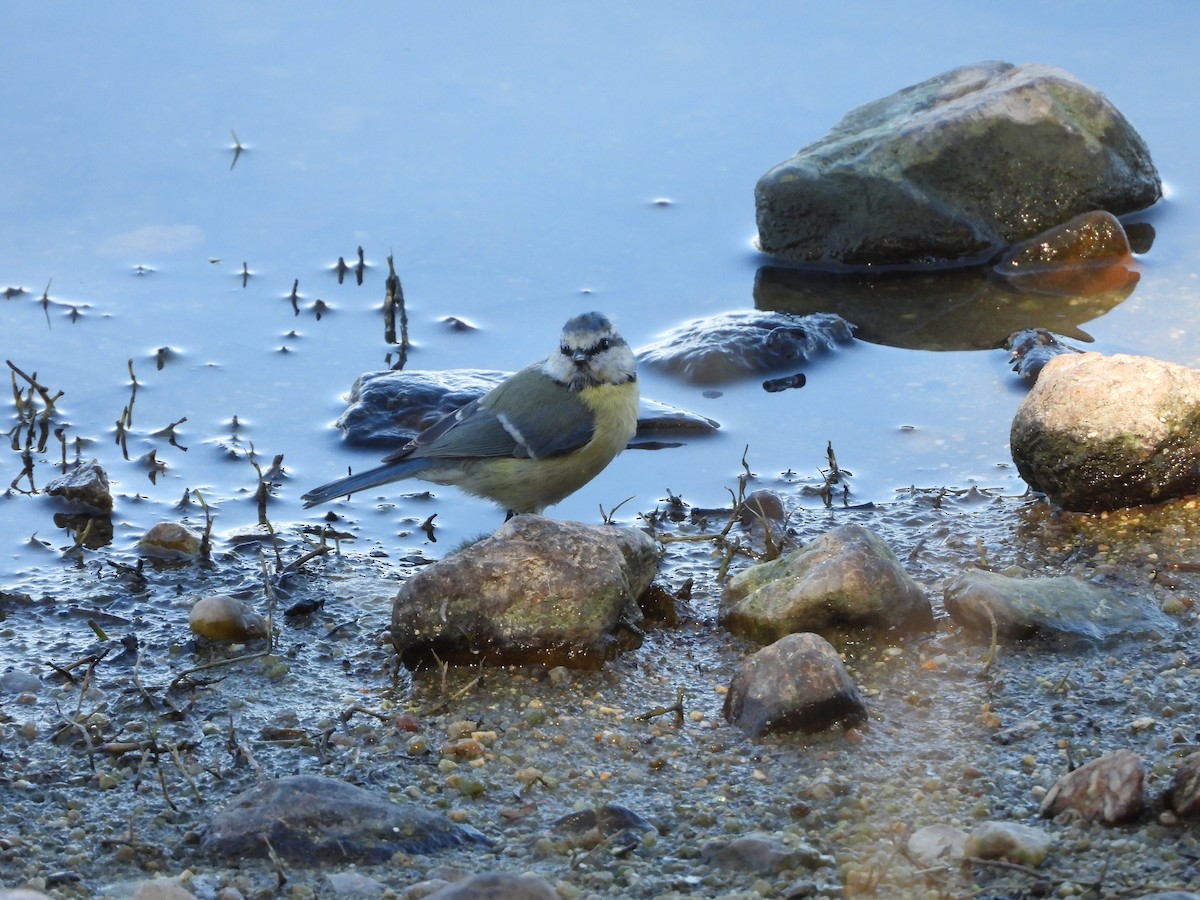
(591, 353)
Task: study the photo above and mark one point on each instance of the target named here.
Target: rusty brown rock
(1106, 790)
(1184, 793)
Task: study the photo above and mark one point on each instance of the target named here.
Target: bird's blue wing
(528, 415)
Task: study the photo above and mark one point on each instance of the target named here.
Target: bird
(535, 438)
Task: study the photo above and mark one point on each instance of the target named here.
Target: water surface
(521, 163)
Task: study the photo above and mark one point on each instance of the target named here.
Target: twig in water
(676, 707)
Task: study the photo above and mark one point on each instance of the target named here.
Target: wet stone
(538, 591)
(1009, 841)
(387, 409)
(84, 488)
(846, 578)
(1087, 255)
(1107, 790)
(1099, 433)
(1031, 349)
(739, 344)
(1062, 608)
(497, 886)
(610, 822)
(797, 683)
(953, 169)
(223, 618)
(309, 819)
(1183, 796)
(762, 854)
(170, 540)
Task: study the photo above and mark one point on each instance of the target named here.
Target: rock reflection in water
(956, 309)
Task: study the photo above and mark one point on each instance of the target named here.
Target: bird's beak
(580, 358)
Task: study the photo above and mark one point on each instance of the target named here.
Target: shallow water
(522, 164)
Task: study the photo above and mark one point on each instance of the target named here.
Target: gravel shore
(110, 769)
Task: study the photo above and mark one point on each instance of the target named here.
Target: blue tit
(536, 437)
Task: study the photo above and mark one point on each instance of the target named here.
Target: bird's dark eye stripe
(599, 347)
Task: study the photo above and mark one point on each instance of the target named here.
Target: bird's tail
(362, 480)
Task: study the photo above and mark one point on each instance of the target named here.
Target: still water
(169, 174)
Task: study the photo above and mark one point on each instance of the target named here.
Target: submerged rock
(797, 683)
(1013, 842)
(497, 886)
(935, 844)
(219, 617)
(390, 408)
(748, 342)
(1090, 254)
(84, 488)
(762, 854)
(310, 819)
(536, 591)
(170, 540)
(1107, 790)
(610, 822)
(1062, 607)
(953, 169)
(1031, 349)
(848, 577)
(1103, 432)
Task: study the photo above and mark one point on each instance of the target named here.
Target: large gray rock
(847, 577)
(538, 591)
(954, 169)
(1103, 432)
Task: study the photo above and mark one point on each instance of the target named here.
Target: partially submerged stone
(497, 886)
(221, 618)
(1032, 348)
(797, 683)
(846, 578)
(954, 169)
(1061, 607)
(931, 845)
(311, 819)
(762, 854)
(748, 342)
(1103, 432)
(1093, 238)
(537, 591)
(170, 540)
(388, 408)
(609, 822)
(1022, 845)
(84, 488)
